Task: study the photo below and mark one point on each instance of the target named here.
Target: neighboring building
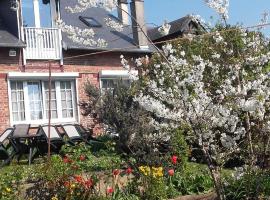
(179, 28)
(29, 39)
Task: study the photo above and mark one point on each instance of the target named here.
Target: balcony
(42, 43)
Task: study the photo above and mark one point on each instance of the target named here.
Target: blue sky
(248, 12)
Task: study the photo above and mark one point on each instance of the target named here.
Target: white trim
(44, 120)
(36, 13)
(77, 100)
(115, 73)
(41, 76)
(9, 103)
(26, 102)
(58, 99)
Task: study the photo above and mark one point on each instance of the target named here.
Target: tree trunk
(216, 176)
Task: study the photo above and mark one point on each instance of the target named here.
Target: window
(17, 101)
(66, 98)
(111, 83)
(34, 100)
(53, 100)
(30, 101)
(109, 79)
(90, 21)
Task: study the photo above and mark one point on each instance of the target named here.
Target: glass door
(37, 13)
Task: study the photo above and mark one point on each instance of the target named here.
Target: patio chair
(74, 136)
(5, 156)
(77, 133)
(56, 140)
(19, 140)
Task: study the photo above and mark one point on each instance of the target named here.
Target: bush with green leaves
(248, 184)
(138, 136)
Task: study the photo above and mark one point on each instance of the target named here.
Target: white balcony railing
(42, 43)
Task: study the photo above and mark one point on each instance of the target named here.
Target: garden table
(30, 141)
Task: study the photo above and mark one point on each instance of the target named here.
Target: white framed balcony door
(42, 39)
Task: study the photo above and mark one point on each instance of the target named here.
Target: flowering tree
(215, 86)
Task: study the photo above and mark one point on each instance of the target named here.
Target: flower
(109, 190)
(82, 157)
(67, 184)
(145, 170)
(78, 178)
(8, 189)
(171, 172)
(116, 172)
(66, 159)
(129, 170)
(157, 172)
(54, 198)
(174, 159)
(88, 183)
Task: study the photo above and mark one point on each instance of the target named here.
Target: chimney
(123, 11)
(137, 11)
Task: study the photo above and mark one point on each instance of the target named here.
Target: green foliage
(179, 145)
(10, 182)
(155, 190)
(252, 185)
(194, 179)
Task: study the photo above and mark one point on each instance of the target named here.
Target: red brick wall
(88, 67)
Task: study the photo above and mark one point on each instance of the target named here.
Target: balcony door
(38, 13)
(42, 39)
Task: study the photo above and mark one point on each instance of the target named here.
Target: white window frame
(44, 120)
(113, 75)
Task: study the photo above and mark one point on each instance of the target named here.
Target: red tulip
(66, 184)
(171, 172)
(174, 159)
(88, 183)
(78, 178)
(116, 172)
(82, 157)
(129, 170)
(109, 190)
(66, 159)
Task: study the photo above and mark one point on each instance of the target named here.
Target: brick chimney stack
(137, 11)
(123, 11)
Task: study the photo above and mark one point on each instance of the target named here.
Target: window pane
(66, 99)
(53, 100)
(45, 13)
(35, 101)
(109, 84)
(28, 13)
(17, 100)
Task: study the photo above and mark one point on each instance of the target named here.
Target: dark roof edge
(137, 50)
(14, 45)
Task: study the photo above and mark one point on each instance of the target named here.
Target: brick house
(30, 42)
(179, 28)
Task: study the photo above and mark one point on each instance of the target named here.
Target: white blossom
(165, 28)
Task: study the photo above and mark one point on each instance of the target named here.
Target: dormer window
(90, 22)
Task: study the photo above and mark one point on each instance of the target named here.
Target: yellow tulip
(8, 189)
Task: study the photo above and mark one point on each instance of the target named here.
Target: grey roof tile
(179, 25)
(7, 39)
(118, 41)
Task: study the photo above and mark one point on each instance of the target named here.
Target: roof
(7, 39)
(180, 25)
(121, 41)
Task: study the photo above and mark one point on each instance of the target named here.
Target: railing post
(42, 43)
